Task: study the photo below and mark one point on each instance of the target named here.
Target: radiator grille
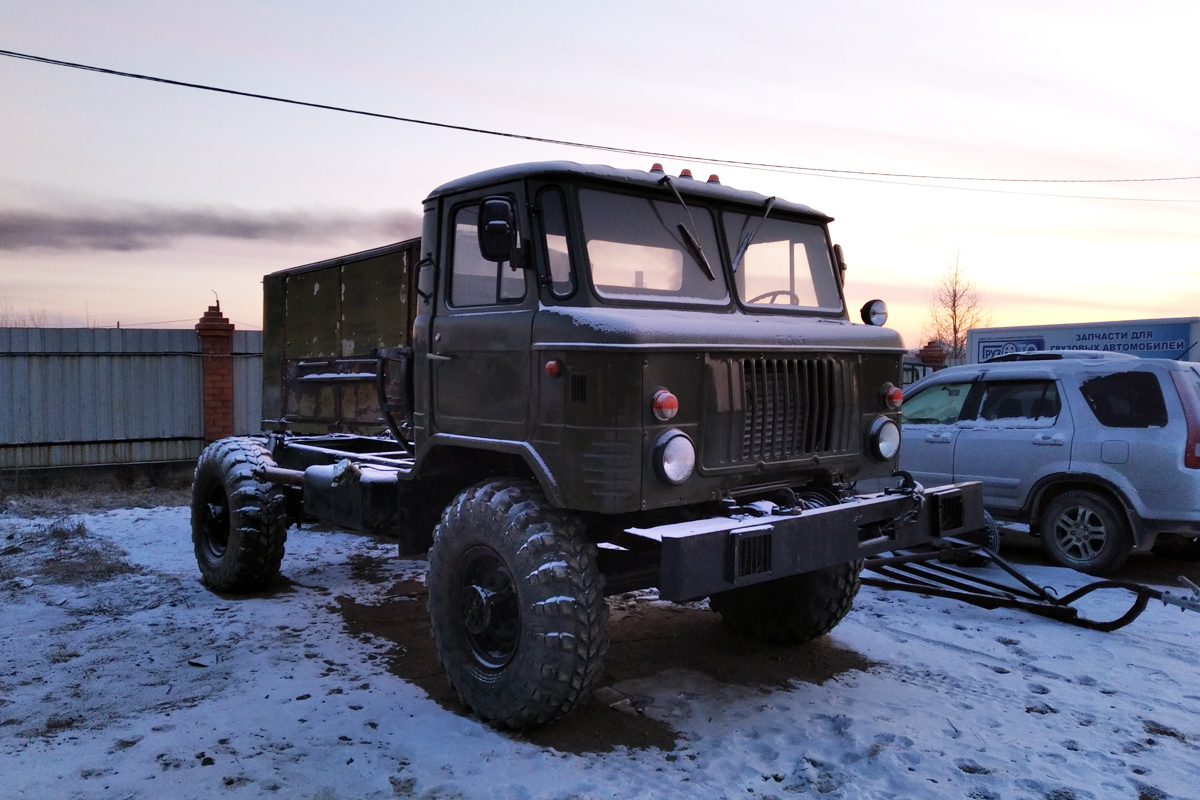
(796, 407)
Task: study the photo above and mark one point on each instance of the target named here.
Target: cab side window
(475, 281)
(553, 213)
(939, 404)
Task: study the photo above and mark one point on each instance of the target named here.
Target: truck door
(1021, 432)
(480, 335)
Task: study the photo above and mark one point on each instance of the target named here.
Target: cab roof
(629, 178)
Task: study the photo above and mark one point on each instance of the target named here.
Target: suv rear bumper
(702, 557)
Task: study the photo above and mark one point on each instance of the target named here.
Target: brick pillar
(216, 344)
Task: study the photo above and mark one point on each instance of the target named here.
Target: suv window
(939, 404)
(475, 281)
(1126, 400)
(1028, 402)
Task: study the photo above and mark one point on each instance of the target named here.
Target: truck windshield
(637, 249)
(786, 264)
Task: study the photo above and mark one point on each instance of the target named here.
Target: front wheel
(239, 525)
(791, 610)
(516, 602)
(1085, 531)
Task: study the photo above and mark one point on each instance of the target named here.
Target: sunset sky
(123, 200)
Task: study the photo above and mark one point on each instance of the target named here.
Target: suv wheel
(1085, 531)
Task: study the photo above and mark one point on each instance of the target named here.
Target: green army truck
(580, 381)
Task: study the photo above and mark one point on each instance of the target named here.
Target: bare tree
(31, 319)
(955, 307)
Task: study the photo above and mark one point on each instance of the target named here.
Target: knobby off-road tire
(1085, 531)
(516, 602)
(791, 610)
(238, 522)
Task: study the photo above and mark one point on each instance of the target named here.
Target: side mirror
(497, 229)
(841, 263)
(874, 312)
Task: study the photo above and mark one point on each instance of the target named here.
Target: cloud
(146, 228)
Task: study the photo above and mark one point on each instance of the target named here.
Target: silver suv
(1098, 452)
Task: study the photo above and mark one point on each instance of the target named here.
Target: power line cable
(786, 168)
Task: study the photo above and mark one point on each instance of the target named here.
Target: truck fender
(533, 460)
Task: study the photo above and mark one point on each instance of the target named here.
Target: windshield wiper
(689, 237)
(744, 245)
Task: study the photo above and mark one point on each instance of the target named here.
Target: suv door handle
(937, 438)
(1050, 440)
(438, 357)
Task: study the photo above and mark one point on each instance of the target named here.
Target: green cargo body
(325, 325)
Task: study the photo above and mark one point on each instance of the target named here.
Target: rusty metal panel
(374, 304)
(312, 313)
(323, 325)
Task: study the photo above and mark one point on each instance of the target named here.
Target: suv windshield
(785, 265)
(637, 249)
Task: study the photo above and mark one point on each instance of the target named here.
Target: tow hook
(1185, 602)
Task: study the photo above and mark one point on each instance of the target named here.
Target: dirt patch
(646, 638)
(70, 555)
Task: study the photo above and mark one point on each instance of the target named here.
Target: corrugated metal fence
(73, 397)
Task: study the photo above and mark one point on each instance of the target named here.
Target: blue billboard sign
(1147, 339)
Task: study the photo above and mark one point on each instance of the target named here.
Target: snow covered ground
(121, 676)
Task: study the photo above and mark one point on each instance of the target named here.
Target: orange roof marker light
(714, 179)
(687, 173)
(656, 168)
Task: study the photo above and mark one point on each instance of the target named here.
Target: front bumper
(703, 557)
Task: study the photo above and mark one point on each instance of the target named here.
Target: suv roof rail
(1055, 355)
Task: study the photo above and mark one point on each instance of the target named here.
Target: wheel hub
(488, 608)
(477, 611)
(1080, 533)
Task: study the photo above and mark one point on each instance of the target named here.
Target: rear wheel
(516, 602)
(1085, 531)
(239, 526)
(791, 610)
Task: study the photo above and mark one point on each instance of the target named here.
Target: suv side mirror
(497, 229)
(840, 258)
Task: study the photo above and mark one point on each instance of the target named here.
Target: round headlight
(874, 312)
(885, 439)
(675, 457)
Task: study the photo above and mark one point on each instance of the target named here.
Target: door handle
(1057, 440)
(935, 438)
(438, 357)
